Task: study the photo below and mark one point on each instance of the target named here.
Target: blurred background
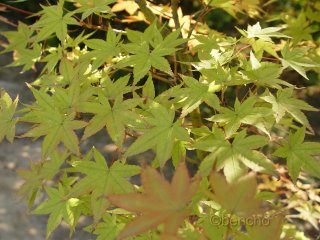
(301, 16)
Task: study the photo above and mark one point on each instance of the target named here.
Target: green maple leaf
(26, 57)
(57, 128)
(266, 74)
(161, 134)
(108, 229)
(114, 118)
(72, 99)
(284, 103)
(102, 50)
(112, 89)
(265, 34)
(195, 93)
(299, 154)
(299, 28)
(59, 206)
(295, 58)
(206, 45)
(99, 7)
(7, 120)
(53, 21)
(143, 58)
(245, 113)
(17, 39)
(102, 180)
(38, 173)
(52, 59)
(234, 157)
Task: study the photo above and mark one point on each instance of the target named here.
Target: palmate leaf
(271, 230)
(112, 89)
(102, 50)
(196, 93)
(295, 58)
(161, 202)
(108, 229)
(299, 28)
(233, 157)
(246, 113)
(59, 206)
(284, 103)
(265, 34)
(38, 173)
(113, 118)
(26, 57)
(57, 128)
(143, 57)
(53, 21)
(17, 39)
(99, 7)
(265, 74)
(162, 134)
(239, 197)
(299, 154)
(102, 180)
(7, 120)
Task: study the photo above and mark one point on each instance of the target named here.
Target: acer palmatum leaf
(161, 203)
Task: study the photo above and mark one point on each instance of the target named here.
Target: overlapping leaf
(299, 154)
(161, 134)
(295, 58)
(238, 198)
(7, 119)
(265, 34)
(99, 7)
(38, 173)
(53, 21)
(59, 206)
(102, 180)
(233, 157)
(114, 118)
(195, 93)
(161, 202)
(246, 113)
(17, 39)
(57, 128)
(143, 58)
(102, 50)
(284, 103)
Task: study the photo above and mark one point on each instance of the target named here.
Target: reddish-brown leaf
(161, 203)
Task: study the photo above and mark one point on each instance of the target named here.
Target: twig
(101, 28)
(204, 12)
(175, 16)
(5, 20)
(17, 9)
(154, 75)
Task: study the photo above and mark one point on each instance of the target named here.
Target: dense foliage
(157, 75)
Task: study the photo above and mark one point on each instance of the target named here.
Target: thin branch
(17, 9)
(155, 76)
(101, 28)
(175, 16)
(203, 13)
(5, 20)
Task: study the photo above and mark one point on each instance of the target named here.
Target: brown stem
(17, 9)
(204, 12)
(175, 16)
